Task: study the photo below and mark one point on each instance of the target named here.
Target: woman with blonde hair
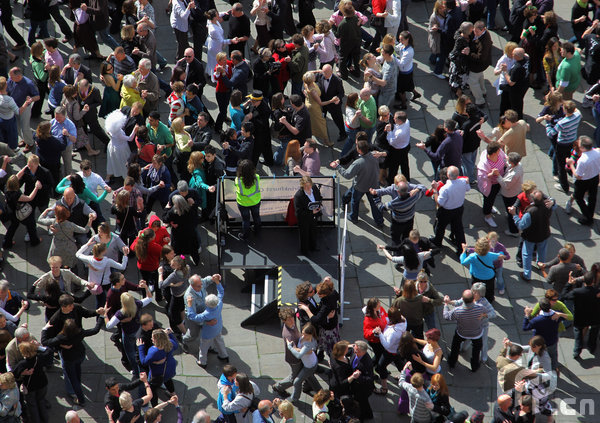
(286, 412)
(434, 38)
(504, 64)
(551, 113)
(195, 168)
(128, 316)
(31, 375)
(481, 265)
(10, 406)
(314, 105)
(293, 157)
(352, 122)
(160, 361)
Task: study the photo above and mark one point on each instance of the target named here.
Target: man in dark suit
(259, 113)
(331, 86)
(74, 71)
(281, 16)
(306, 213)
(362, 383)
(197, 24)
(90, 95)
(241, 73)
(194, 71)
(585, 314)
(200, 132)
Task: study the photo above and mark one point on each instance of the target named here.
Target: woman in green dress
(112, 87)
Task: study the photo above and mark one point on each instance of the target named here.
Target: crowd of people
(177, 160)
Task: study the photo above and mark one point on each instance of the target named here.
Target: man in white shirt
(586, 174)
(450, 199)
(398, 137)
(92, 180)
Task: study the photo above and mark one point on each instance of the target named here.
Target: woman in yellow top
(129, 92)
(183, 147)
(247, 195)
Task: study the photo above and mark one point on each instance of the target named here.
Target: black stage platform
(278, 247)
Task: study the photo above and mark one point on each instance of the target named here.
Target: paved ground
(259, 351)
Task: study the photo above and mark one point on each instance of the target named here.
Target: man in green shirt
(368, 109)
(159, 134)
(568, 74)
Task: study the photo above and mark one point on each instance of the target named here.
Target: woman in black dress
(126, 216)
(341, 376)
(307, 203)
(183, 222)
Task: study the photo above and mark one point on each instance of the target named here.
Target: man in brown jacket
(509, 367)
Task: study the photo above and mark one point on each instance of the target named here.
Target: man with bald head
(469, 325)
(263, 414)
(331, 86)
(517, 83)
(194, 71)
(450, 199)
(503, 410)
(79, 210)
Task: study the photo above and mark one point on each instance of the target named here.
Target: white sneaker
(490, 221)
(501, 292)
(27, 239)
(568, 207)
(495, 210)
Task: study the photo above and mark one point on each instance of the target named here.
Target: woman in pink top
(492, 164)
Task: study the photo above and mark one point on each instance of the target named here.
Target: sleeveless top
(430, 355)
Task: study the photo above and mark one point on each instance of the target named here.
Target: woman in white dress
(216, 41)
(117, 151)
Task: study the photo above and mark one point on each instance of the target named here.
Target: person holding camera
(265, 71)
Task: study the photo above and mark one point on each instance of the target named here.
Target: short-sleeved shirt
(569, 71)
(369, 111)
(301, 121)
(57, 128)
(127, 416)
(21, 90)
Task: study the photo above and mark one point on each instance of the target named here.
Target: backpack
(253, 404)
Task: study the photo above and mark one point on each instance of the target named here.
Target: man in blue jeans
(365, 174)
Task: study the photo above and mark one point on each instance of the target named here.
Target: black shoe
(520, 263)
(224, 359)
(204, 366)
(585, 222)
(185, 348)
(576, 355)
(342, 137)
(281, 392)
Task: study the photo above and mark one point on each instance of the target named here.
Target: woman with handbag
(126, 216)
(20, 211)
(34, 385)
(85, 36)
(160, 360)
(99, 269)
(63, 230)
(481, 265)
(128, 316)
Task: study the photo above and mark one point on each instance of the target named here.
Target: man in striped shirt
(402, 206)
(566, 129)
(469, 325)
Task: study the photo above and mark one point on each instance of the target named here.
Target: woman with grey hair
(129, 92)
(479, 290)
(510, 187)
(183, 222)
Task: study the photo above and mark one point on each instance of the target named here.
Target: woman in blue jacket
(481, 265)
(160, 360)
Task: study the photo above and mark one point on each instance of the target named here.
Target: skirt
(405, 82)
(328, 338)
